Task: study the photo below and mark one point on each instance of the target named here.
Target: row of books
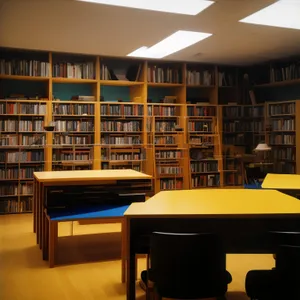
(200, 126)
(284, 154)
(199, 111)
(282, 139)
(121, 140)
(15, 206)
(122, 110)
(168, 154)
(164, 140)
(233, 179)
(206, 77)
(282, 109)
(283, 167)
(73, 109)
(130, 126)
(74, 125)
(73, 140)
(283, 125)
(22, 157)
(284, 73)
(71, 155)
(164, 75)
(160, 110)
(74, 70)
(243, 111)
(169, 170)
(107, 166)
(201, 140)
(243, 126)
(123, 156)
(19, 173)
(204, 167)
(171, 184)
(16, 189)
(21, 125)
(211, 180)
(24, 67)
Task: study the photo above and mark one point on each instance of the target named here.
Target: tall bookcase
(283, 136)
(244, 126)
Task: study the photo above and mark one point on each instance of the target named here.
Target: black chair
(282, 282)
(188, 265)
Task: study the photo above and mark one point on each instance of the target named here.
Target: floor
(90, 266)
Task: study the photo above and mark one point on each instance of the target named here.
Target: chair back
(291, 238)
(288, 271)
(188, 265)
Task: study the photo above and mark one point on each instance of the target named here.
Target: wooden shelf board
(120, 83)
(72, 80)
(279, 83)
(21, 77)
(196, 86)
(156, 84)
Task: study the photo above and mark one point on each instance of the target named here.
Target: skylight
(283, 13)
(184, 7)
(173, 43)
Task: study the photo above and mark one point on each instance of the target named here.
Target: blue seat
(92, 212)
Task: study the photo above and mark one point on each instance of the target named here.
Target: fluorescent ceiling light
(283, 13)
(173, 43)
(184, 7)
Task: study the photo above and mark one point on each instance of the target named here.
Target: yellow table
(242, 218)
(282, 182)
(125, 181)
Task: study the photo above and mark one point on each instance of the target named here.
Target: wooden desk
(282, 182)
(116, 181)
(242, 218)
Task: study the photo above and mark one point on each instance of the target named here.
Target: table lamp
(262, 146)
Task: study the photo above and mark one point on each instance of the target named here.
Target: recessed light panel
(283, 13)
(173, 43)
(184, 7)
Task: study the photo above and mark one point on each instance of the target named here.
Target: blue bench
(102, 214)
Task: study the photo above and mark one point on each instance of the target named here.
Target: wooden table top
(89, 175)
(217, 203)
(282, 181)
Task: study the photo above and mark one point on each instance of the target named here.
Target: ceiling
(80, 27)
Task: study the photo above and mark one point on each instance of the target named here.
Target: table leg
(123, 250)
(46, 237)
(34, 204)
(52, 247)
(130, 264)
(37, 212)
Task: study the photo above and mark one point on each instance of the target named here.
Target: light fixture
(262, 146)
(283, 13)
(173, 43)
(184, 7)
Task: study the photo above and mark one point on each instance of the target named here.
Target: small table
(286, 183)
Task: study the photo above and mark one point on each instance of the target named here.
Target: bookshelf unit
(283, 120)
(166, 142)
(21, 152)
(112, 113)
(205, 163)
(122, 136)
(243, 128)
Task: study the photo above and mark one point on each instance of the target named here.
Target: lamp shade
(262, 147)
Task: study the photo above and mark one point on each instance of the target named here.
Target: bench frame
(50, 240)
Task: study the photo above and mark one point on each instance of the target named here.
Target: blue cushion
(105, 211)
(253, 186)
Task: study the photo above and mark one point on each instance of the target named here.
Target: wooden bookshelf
(122, 113)
(284, 127)
(205, 163)
(22, 143)
(243, 128)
